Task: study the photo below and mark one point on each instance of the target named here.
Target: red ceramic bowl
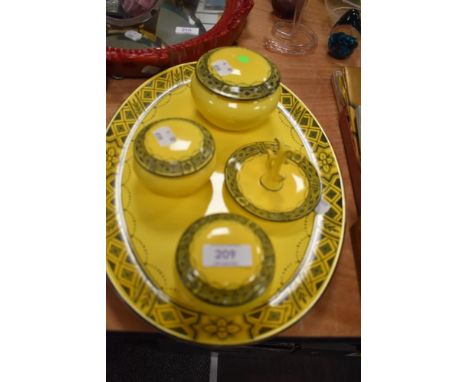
(146, 62)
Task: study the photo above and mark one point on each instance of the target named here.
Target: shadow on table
(154, 357)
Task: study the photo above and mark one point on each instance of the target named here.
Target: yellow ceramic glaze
(232, 114)
(182, 153)
(292, 190)
(248, 67)
(273, 181)
(187, 140)
(144, 228)
(243, 95)
(230, 233)
(225, 259)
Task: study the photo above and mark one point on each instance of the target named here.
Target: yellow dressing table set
(225, 206)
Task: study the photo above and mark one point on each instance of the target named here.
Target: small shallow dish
(235, 88)
(225, 259)
(272, 182)
(174, 156)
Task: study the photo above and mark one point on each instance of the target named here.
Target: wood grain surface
(337, 313)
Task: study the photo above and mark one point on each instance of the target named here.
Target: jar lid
(237, 73)
(174, 147)
(225, 259)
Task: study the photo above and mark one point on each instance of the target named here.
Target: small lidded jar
(235, 88)
(174, 156)
(225, 259)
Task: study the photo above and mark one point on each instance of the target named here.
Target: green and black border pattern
(243, 92)
(218, 296)
(174, 168)
(259, 148)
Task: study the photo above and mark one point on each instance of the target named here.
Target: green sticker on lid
(244, 59)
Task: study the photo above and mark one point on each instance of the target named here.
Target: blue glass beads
(345, 35)
(341, 45)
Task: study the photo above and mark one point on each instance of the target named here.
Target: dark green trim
(174, 168)
(260, 148)
(246, 92)
(218, 296)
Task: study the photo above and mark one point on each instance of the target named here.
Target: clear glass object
(292, 37)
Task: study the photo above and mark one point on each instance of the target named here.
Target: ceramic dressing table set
(225, 202)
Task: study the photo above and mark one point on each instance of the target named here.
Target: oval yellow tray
(143, 228)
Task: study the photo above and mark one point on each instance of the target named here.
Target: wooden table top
(337, 313)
